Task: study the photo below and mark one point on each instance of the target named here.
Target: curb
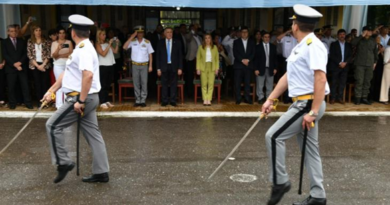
(179, 114)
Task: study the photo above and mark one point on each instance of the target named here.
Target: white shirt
(228, 43)
(287, 45)
(301, 64)
(109, 59)
(196, 38)
(140, 51)
(385, 40)
(266, 49)
(208, 55)
(386, 58)
(59, 61)
(245, 42)
(38, 53)
(328, 40)
(326, 46)
(83, 58)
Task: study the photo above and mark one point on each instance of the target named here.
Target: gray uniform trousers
(287, 126)
(140, 81)
(65, 117)
(269, 84)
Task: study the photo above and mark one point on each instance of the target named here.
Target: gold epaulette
(309, 41)
(147, 41)
(81, 45)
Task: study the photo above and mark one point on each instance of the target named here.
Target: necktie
(14, 42)
(169, 51)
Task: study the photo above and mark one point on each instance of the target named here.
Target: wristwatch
(313, 114)
(80, 102)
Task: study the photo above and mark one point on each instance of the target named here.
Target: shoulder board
(81, 45)
(309, 41)
(147, 41)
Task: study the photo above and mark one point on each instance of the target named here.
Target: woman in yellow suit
(207, 66)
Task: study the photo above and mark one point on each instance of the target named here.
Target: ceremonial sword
(276, 101)
(44, 103)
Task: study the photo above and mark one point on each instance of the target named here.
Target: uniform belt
(72, 94)
(140, 64)
(303, 97)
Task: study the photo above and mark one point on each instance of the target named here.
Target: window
(175, 18)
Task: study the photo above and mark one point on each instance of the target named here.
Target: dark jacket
(335, 56)
(240, 54)
(260, 59)
(162, 56)
(366, 51)
(12, 56)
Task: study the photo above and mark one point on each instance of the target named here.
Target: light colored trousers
(286, 127)
(140, 81)
(207, 79)
(385, 86)
(269, 85)
(58, 70)
(64, 118)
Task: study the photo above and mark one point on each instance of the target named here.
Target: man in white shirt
(318, 33)
(193, 41)
(384, 33)
(81, 84)
(306, 81)
(286, 43)
(142, 60)
(327, 38)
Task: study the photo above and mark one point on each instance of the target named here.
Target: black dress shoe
(29, 107)
(137, 104)
(164, 104)
(357, 101)
(97, 178)
(143, 104)
(248, 102)
(12, 107)
(63, 171)
(278, 192)
(173, 104)
(262, 101)
(312, 201)
(238, 102)
(365, 101)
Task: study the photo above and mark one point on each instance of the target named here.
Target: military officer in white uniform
(307, 85)
(142, 60)
(80, 82)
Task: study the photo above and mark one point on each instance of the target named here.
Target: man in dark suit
(265, 67)
(169, 61)
(15, 55)
(244, 54)
(339, 55)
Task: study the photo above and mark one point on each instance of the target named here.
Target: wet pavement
(163, 161)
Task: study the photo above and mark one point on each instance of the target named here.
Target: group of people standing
(239, 59)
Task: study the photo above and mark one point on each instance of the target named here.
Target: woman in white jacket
(384, 98)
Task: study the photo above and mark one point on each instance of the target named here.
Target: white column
(355, 17)
(9, 14)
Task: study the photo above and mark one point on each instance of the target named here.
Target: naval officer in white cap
(80, 82)
(307, 85)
